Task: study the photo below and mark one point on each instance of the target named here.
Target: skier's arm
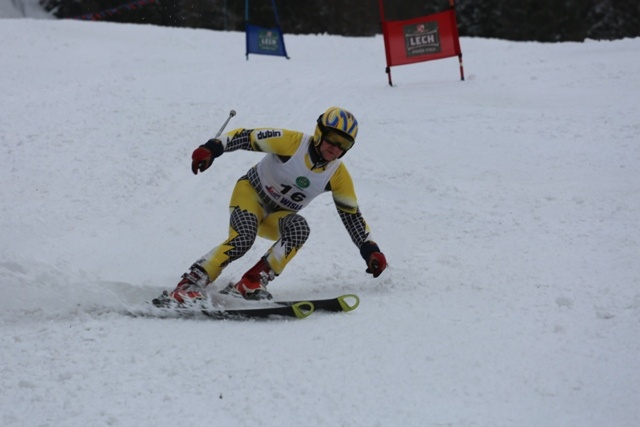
(344, 197)
(282, 142)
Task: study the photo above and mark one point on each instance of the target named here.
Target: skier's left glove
(376, 261)
(203, 156)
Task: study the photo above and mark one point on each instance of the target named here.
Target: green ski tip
(303, 309)
(349, 302)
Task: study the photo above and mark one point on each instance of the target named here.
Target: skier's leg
(290, 231)
(246, 213)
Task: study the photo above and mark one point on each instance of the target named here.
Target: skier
(266, 201)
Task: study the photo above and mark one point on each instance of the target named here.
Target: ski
(297, 310)
(342, 303)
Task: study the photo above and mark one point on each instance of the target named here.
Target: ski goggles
(338, 140)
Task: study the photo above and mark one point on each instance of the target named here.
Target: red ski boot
(253, 284)
(188, 291)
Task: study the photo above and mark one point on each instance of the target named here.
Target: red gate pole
(454, 25)
(386, 41)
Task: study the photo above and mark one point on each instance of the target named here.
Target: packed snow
(508, 206)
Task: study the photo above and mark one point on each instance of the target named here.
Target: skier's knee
(295, 229)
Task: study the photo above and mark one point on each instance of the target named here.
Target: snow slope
(507, 205)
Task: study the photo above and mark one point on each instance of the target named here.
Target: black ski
(344, 303)
(297, 310)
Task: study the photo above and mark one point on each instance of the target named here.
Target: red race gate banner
(421, 39)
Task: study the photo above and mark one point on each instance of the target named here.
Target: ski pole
(231, 114)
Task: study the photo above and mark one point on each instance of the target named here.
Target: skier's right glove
(376, 261)
(204, 155)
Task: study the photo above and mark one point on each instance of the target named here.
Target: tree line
(524, 20)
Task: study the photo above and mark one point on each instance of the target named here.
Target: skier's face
(330, 151)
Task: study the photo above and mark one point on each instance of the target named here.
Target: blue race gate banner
(265, 41)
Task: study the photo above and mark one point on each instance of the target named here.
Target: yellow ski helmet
(338, 127)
